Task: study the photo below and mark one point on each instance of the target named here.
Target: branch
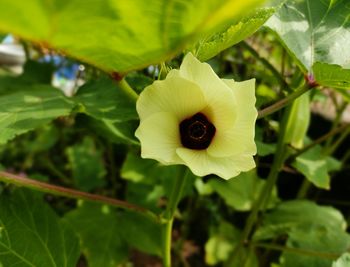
(71, 193)
(283, 102)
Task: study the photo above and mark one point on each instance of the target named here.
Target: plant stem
(168, 215)
(318, 254)
(71, 193)
(264, 196)
(283, 102)
(320, 140)
(268, 65)
(127, 89)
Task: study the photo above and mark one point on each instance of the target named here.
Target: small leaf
(221, 243)
(210, 46)
(87, 165)
(315, 167)
(331, 75)
(32, 235)
(241, 192)
(100, 232)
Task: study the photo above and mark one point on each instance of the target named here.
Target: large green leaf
(32, 235)
(316, 31)
(241, 192)
(100, 231)
(324, 228)
(27, 109)
(118, 35)
(210, 46)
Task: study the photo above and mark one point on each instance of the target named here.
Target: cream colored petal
(173, 73)
(240, 137)
(176, 95)
(221, 108)
(201, 163)
(159, 137)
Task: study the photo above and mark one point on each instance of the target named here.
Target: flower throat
(196, 132)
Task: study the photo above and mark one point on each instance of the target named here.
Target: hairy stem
(264, 196)
(71, 193)
(283, 102)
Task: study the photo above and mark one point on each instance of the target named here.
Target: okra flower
(197, 119)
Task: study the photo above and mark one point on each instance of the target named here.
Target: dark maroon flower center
(196, 132)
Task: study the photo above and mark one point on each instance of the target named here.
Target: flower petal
(240, 137)
(221, 108)
(176, 95)
(159, 136)
(201, 163)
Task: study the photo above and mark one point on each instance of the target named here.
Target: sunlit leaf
(118, 35)
(210, 46)
(317, 31)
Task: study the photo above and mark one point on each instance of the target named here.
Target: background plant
(102, 205)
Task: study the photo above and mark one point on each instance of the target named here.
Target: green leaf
(87, 165)
(309, 227)
(241, 192)
(32, 235)
(148, 180)
(316, 31)
(221, 243)
(25, 110)
(141, 233)
(291, 214)
(343, 261)
(210, 46)
(111, 34)
(103, 100)
(100, 232)
(331, 75)
(315, 167)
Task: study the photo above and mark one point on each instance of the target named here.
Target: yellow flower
(197, 119)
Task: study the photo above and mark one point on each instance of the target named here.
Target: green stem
(283, 102)
(319, 140)
(330, 150)
(123, 84)
(169, 213)
(318, 254)
(264, 196)
(268, 65)
(71, 193)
